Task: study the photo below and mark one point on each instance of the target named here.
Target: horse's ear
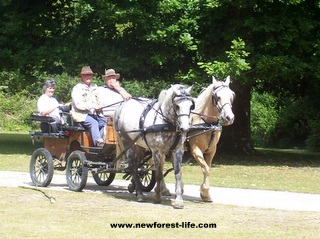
(189, 89)
(227, 81)
(214, 81)
(175, 90)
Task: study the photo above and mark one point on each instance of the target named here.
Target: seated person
(85, 106)
(49, 106)
(111, 93)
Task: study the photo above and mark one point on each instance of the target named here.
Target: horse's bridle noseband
(215, 98)
(181, 98)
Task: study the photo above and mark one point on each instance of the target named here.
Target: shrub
(15, 111)
(264, 116)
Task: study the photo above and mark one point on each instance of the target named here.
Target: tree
(165, 40)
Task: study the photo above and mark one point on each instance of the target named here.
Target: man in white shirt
(111, 94)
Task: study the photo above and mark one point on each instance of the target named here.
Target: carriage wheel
(41, 167)
(76, 171)
(103, 178)
(148, 178)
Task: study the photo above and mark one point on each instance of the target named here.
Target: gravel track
(226, 196)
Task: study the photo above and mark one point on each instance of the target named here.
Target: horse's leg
(177, 160)
(205, 186)
(158, 164)
(133, 166)
(164, 190)
(208, 157)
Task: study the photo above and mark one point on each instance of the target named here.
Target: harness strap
(206, 127)
(176, 141)
(145, 112)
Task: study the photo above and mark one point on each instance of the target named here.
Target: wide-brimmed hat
(110, 72)
(86, 70)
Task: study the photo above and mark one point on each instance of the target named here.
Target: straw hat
(110, 72)
(86, 70)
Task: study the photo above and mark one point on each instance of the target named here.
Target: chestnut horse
(212, 107)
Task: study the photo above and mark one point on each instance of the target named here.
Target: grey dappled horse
(159, 127)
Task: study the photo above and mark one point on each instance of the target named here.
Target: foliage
(64, 85)
(235, 64)
(313, 140)
(264, 116)
(149, 88)
(156, 42)
(15, 111)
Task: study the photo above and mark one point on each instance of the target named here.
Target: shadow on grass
(265, 157)
(22, 144)
(17, 144)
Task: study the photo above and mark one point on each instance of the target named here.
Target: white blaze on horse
(212, 105)
(160, 127)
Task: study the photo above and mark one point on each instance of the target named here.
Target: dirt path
(227, 196)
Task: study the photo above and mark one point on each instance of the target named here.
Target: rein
(119, 102)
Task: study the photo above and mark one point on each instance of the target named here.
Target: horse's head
(222, 97)
(182, 104)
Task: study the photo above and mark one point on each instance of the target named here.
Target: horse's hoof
(165, 192)
(131, 187)
(205, 196)
(141, 198)
(178, 205)
(157, 199)
(208, 199)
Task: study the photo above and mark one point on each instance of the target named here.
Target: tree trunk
(236, 138)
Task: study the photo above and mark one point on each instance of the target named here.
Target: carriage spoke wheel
(76, 171)
(147, 177)
(41, 167)
(103, 178)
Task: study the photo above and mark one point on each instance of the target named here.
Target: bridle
(176, 99)
(215, 99)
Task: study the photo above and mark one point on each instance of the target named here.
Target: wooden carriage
(70, 147)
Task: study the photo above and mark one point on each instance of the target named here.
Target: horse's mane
(201, 100)
(205, 94)
(162, 96)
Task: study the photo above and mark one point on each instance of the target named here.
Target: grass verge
(28, 214)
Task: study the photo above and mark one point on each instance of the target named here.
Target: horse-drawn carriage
(144, 129)
(69, 147)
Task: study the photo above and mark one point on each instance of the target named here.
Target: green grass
(274, 169)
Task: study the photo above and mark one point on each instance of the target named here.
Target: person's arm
(47, 105)
(49, 110)
(116, 85)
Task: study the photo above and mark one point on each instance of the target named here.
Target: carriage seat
(70, 124)
(48, 125)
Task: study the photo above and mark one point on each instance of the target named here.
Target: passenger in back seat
(49, 106)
